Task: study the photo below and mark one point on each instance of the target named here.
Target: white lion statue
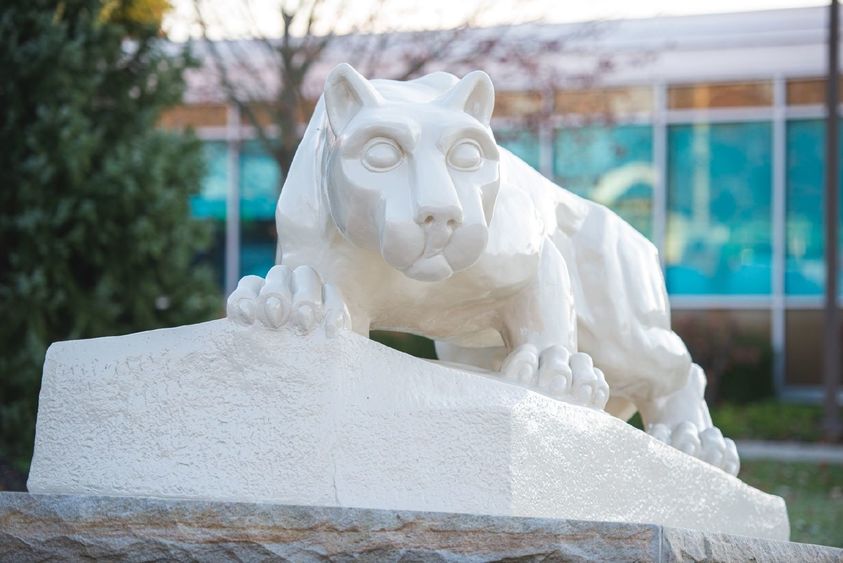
(401, 212)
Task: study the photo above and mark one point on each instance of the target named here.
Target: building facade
(711, 145)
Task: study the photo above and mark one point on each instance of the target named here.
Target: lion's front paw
(708, 445)
(288, 298)
(556, 372)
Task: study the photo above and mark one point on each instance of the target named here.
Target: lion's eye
(465, 155)
(382, 155)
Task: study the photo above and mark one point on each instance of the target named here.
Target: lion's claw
(708, 445)
(558, 373)
(297, 299)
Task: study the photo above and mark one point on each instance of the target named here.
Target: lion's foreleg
(539, 328)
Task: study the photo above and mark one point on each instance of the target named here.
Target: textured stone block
(217, 411)
(62, 528)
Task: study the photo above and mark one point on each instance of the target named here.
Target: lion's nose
(449, 217)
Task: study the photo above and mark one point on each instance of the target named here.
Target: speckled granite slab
(64, 527)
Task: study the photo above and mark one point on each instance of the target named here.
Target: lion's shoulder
(555, 207)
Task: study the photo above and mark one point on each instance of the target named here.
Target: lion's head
(412, 169)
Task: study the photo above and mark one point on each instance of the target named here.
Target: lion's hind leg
(682, 420)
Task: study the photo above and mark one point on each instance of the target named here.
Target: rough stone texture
(217, 411)
(57, 527)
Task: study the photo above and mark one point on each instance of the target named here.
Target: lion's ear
(474, 94)
(346, 93)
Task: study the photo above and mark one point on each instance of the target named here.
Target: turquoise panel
(719, 225)
(260, 182)
(805, 266)
(210, 201)
(257, 247)
(612, 165)
(523, 144)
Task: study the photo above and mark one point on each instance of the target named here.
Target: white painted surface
(218, 411)
(401, 212)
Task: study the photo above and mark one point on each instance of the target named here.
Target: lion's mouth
(430, 268)
(433, 254)
(436, 239)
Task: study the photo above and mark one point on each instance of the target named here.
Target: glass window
(195, 115)
(734, 347)
(517, 104)
(210, 201)
(805, 269)
(523, 144)
(257, 247)
(804, 339)
(214, 256)
(260, 184)
(609, 165)
(606, 101)
(725, 95)
(808, 91)
(719, 236)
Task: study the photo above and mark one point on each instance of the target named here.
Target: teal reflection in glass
(523, 144)
(260, 182)
(805, 267)
(257, 247)
(719, 229)
(612, 165)
(210, 201)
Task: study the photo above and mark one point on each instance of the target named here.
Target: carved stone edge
(39, 527)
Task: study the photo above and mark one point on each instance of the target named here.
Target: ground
(814, 496)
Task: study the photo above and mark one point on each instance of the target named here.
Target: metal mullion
(659, 203)
(581, 120)
(250, 132)
(805, 112)
(809, 302)
(731, 302)
(232, 202)
(211, 133)
(720, 115)
(806, 394)
(546, 135)
(779, 224)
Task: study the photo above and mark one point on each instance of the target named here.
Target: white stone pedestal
(216, 411)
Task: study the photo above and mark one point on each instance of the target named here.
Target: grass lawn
(813, 493)
(766, 420)
(769, 420)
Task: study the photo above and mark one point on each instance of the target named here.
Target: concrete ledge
(795, 452)
(63, 527)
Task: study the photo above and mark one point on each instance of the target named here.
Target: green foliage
(94, 218)
(770, 420)
(738, 360)
(813, 493)
(417, 346)
(765, 420)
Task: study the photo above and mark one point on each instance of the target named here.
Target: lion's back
(619, 290)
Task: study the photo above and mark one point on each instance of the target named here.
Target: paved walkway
(790, 451)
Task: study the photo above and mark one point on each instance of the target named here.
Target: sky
(243, 18)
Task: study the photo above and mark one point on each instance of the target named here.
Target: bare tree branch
(308, 37)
